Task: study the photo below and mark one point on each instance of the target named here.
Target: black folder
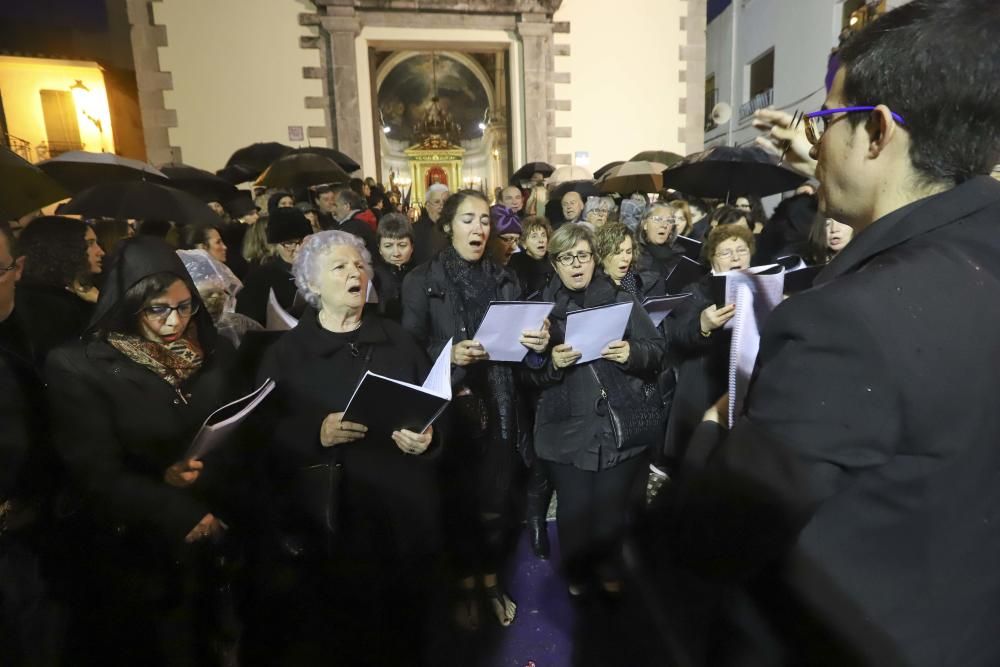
(686, 272)
(801, 280)
(385, 405)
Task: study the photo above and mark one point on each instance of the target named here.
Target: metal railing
(758, 101)
(18, 145)
(51, 149)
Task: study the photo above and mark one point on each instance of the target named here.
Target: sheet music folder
(384, 404)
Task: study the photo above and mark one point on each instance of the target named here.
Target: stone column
(342, 26)
(151, 82)
(535, 31)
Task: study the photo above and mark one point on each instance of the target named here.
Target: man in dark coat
(26, 618)
(351, 215)
(428, 240)
(855, 502)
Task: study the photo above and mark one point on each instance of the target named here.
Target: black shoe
(538, 530)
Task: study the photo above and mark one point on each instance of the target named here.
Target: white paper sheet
(438, 380)
(215, 430)
(589, 331)
(278, 319)
(501, 328)
(755, 295)
(658, 307)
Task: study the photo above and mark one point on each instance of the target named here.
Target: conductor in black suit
(853, 509)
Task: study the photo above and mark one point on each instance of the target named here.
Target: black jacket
(23, 417)
(702, 366)
(353, 225)
(660, 260)
(389, 285)
(275, 275)
(428, 241)
(572, 425)
(316, 372)
(533, 274)
(51, 315)
(117, 426)
(858, 495)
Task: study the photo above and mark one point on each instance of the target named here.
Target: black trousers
(591, 515)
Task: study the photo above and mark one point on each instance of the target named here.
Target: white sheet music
(501, 328)
(278, 319)
(755, 294)
(438, 381)
(590, 330)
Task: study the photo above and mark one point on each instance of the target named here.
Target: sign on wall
(296, 133)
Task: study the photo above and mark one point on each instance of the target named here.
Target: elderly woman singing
(357, 516)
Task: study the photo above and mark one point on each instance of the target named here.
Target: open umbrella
(346, 163)
(257, 157)
(237, 173)
(608, 167)
(568, 173)
(301, 170)
(631, 177)
(78, 170)
(202, 184)
(141, 201)
(525, 172)
(663, 157)
(724, 172)
(24, 187)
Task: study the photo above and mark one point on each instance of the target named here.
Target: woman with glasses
(287, 227)
(698, 341)
(660, 226)
(126, 403)
(596, 467)
(447, 298)
(58, 289)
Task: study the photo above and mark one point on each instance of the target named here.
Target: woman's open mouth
(354, 289)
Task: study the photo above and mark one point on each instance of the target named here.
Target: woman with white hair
(360, 515)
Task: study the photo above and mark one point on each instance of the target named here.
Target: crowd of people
(847, 517)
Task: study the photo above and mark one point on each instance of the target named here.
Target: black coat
(353, 225)
(392, 494)
(702, 366)
(389, 285)
(858, 496)
(51, 315)
(570, 425)
(660, 260)
(275, 275)
(22, 413)
(428, 241)
(533, 274)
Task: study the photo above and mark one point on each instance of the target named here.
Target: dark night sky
(85, 15)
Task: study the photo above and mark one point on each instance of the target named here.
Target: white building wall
(236, 67)
(802, 34)
(624, 78)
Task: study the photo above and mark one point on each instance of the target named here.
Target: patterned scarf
(630, 284)
(172, 362)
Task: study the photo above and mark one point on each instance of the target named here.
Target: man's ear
(881, 129)
(18, 268)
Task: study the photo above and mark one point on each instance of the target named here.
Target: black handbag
(636, 421)
(318, 489)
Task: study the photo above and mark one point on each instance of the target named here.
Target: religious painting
(406, 96)
(435, 175)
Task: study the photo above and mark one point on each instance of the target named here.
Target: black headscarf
(139, 258)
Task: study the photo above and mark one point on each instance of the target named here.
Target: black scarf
(475, 282)
(663, 254)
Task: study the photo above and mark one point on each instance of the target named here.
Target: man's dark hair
(934, 62)
(357, 185)
(394, 226)
(197, 234)
(55, 251)
(8, 233)
(728, 215)
(352, 199)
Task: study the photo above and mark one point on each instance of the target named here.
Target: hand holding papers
(591, 330)
(278, 319)
(221, 423)
(505, 322)
(385, 405)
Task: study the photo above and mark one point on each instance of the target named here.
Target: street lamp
(84, 99)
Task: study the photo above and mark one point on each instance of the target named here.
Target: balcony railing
(51, 149)
(18, 145)
(758, 101)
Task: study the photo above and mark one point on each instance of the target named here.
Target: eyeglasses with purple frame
(818, 122)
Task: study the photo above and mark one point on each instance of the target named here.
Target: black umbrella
(258, 157)
(608, 167)
(663, 157)
(346, 163)
(237, 173)
(525, 172)
(301, 170)
(199, 183)
(140, 201)
(24, 188)
(79, 170)
(724, 172)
